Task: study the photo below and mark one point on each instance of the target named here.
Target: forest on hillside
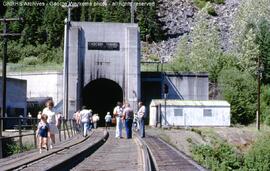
(43, 25)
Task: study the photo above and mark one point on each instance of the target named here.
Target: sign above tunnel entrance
(104, 46)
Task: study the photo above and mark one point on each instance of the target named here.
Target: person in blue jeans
(85, 119)
(141, 116)
(128, 116)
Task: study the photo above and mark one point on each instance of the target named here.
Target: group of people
(47, 126)
(124, 114)
(84, 120)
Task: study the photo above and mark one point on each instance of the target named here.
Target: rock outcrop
(178, 16)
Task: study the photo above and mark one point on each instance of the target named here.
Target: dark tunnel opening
(101, 96)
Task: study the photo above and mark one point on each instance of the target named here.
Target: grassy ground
(240, 137)
(33, 68)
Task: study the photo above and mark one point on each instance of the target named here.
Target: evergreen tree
(117, 11)
(53, 25)
(96, 12)
(2, 9)
(150, 26)
(263, 41)
(33, 18)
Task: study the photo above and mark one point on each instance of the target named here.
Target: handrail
(16, 136)
(67, 125)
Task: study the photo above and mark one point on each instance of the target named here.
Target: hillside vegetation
(222, 149)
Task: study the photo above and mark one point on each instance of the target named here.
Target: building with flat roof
(189, 113)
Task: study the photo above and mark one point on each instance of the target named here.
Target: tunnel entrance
(101, 96)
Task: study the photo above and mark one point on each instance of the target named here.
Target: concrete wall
(16, 96)
(42, 84)
(121, 66)
(187, 86)
(192, 116)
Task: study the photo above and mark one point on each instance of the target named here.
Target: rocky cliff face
(178, 16)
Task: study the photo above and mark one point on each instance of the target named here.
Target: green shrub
(31, 60)
(267, 120)
(265, 104)
(211, 11)
(239, 89)
(258, 157)
(200, 3)
(10, 147)
(219, 1)
(220, 156)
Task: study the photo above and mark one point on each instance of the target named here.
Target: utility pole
(5, 35)
(259, 94)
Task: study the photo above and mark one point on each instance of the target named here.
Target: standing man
(128, 116)
(118, 113)
(141, 116)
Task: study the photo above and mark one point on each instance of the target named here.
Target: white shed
(190, 113)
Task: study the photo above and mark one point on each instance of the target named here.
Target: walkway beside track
(115, 154)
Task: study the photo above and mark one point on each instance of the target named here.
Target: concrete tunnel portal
(101, 96)
(103, 67)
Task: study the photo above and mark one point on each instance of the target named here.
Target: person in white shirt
(95, 119)
(141, 117)
(85, 119)
(108, 120)
(52, 121)
(118, 113)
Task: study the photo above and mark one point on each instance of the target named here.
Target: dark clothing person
(43, 129)
(128, 116)
(128, 124)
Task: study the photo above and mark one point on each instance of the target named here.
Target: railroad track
(61, 158)
(164, 157)
(101, 151)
